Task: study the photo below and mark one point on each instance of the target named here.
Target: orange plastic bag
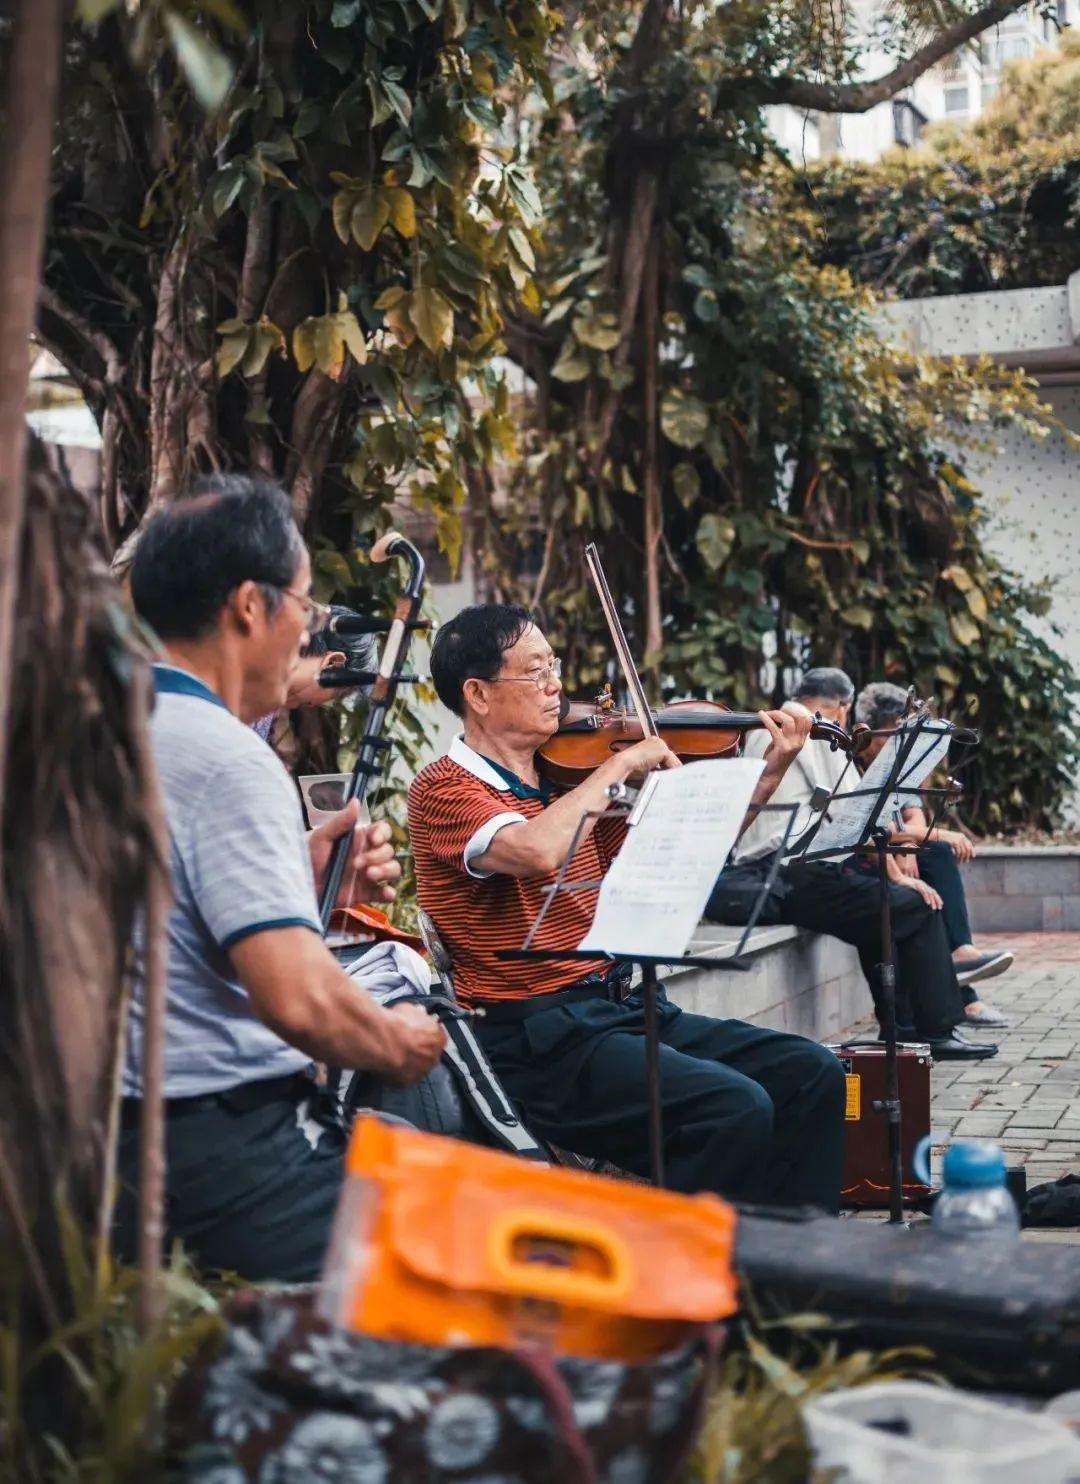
(438, 1242)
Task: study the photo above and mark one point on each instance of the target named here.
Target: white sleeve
(479, 842)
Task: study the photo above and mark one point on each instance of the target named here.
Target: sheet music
(656, 890)
(849, 817)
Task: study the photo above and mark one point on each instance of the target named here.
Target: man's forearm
(300, 991)
(537, 846)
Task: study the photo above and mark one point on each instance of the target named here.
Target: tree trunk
(654, 514)
(31, 87)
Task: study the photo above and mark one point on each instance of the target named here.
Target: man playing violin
(750, 1114)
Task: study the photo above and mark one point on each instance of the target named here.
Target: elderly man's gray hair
(881, 704)
(825, 683)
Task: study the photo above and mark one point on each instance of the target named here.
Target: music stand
(647, 963)
(874, 833)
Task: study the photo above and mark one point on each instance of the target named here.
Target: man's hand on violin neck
(789, 729)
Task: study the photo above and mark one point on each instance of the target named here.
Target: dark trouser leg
(825, 898)
(940, 869)
(805, 1084)
(578, 1074)
(251, 1192)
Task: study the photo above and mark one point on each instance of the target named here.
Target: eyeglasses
(540, 678)
(317, 614)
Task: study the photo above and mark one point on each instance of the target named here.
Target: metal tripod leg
(890, 1104)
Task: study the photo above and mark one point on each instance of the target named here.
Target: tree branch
(857, 97)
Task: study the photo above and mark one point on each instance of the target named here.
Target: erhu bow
(373, 745)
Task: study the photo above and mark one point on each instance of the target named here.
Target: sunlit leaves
(714, 539)
(247, 346)
(361, 211)
(323, 340)
(684, 418)
(204, 64)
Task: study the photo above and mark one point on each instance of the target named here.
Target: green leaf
(399, 100)
(263, 338)
(964, 629)
(390, 298)
(522, 247)
(707, 307)
(859, 617)
(976, 601)
(369, 216)
(92, 11)
(432, 315)
(231, 350)
(524, 195)
(958, 577)
(714, 538)
(344, 13)
(687, 482)
(684, 419)
(571, 365)
(224, 188)
(341, 208)
(601, 333)
(402, 212)
(206, 67)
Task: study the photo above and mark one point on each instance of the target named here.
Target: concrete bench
(796, 981)
(1024, 888)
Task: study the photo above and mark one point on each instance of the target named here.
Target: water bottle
(974, 1200)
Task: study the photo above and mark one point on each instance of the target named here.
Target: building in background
(957, 90)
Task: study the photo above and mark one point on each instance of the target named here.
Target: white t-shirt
(817, 766)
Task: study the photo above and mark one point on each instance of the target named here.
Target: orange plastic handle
(540, 1280)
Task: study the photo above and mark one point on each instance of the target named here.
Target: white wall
(1032, 493)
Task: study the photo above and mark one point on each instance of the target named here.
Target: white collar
(468, 758)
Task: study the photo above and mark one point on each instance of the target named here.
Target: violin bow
(642, 709)
(372, 752)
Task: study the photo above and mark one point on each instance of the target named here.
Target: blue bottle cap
(973, 1164)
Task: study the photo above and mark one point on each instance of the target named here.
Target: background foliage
(992, 205)
(805, 508)
(319, 279)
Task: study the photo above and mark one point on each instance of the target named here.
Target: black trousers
(254, 1176)
(940, 869)
(824, 897)
(749, 1114)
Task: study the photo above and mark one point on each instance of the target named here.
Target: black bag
(994, 1316)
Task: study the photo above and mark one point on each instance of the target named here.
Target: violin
(694, 730)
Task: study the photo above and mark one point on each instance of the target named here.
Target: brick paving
(1027, 1098)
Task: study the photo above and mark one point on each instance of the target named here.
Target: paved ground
(1027, 1098)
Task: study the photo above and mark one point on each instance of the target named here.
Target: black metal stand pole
(652, 1074)
(890, 1104)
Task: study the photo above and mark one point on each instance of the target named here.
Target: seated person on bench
(833, 897)
(254, 997)
(937, 864)
(749, 1114)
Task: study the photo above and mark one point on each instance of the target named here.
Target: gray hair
(825, 683)
(881, 704)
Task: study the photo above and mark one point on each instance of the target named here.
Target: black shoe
(986, 966)
(956, 1047)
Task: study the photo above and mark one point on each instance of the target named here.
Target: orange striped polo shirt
(456, 807)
